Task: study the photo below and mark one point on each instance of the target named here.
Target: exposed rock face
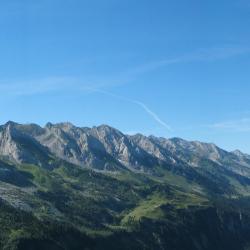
(161, 194)
(8, 147)
(106, 148)
(19, 146)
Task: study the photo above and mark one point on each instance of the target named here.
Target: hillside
(65, 187)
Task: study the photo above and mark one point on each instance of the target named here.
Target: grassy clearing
(153, 206)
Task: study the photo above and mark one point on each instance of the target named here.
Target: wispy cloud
(153, 115)
(241, 125)
(50, 84)
(33, 87)
(142, 105)
(216, 53)
(56, 84)
(200, 55)
(79, 84)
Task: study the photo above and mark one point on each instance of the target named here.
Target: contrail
(152, 114)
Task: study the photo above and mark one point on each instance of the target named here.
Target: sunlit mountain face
(66, 187)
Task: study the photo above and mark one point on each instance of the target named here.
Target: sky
(169, 68)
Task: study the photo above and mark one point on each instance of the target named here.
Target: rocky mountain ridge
(94, 147)
(107, 149)
(66, 187)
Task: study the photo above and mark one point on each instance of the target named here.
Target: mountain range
(68, 187)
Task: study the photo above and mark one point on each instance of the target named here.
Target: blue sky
(169, 68)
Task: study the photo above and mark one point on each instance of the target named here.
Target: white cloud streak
(57, 84)
(153, 115)
(200, 55)
(50, 84)
(34, 87)
(241, 125)
(142, 105)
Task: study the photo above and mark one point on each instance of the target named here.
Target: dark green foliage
(75, 209)
(9, 174)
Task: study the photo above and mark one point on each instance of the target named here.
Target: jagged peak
(105, 126)
(108, 129)
(10, 124)
(10, 128)
(138, 136)
(49, 125)
(61, 125)
(237, 152)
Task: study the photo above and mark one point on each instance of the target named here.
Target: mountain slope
(97, 188)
